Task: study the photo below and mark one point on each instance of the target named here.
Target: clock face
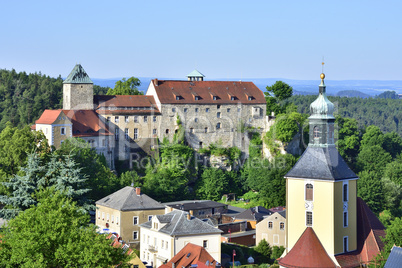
(306, 205)
(345, 206)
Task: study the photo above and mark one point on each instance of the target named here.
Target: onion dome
(322, 108)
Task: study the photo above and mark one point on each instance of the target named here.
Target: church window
(345, 193)
(309, 192)
(270, 224)
(309, 218)
(345, 219)
(345, 244)
(282, 226)
(316, 133)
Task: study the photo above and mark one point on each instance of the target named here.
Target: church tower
(78, 90)
(321, 189)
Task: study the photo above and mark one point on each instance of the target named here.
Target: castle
(125, 127)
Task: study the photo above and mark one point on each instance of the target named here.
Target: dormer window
(177, 97)
(196, 97)
(232, 98)
(250, 98)
(214, 97)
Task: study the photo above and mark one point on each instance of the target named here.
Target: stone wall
(78, 97)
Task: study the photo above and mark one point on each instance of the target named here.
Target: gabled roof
(195, 73)
(307, 252)
(395, 258)
(188, 205)
(189, 255)
(369, 233)
(126, 199)
(324, 163)
(86, 123)
(177, 223)
(224, 90)
(254, 214)
(48, 117)
(78, 76)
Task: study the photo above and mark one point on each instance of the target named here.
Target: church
(327, 224)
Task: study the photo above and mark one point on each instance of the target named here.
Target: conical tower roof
(78, 76)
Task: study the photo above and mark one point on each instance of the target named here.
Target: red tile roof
(307, 252)
(186, 91)
(369, 243)
(86, 123)
(48, 117)
(121, 104)
(191, 254)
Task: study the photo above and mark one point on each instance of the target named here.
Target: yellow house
(124, 210)
(273, 229)
(322, 207)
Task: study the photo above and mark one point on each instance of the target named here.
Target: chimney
(188, 216)
(138, 191)
(156, 81)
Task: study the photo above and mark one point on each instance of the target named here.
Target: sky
(359, 40)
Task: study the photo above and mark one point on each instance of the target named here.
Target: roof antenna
(322, 71)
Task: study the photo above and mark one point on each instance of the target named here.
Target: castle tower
(321, 190)
(195, 76)
(78, 90)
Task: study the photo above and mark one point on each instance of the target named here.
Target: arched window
(316, 133)
(309, 192)
(345, 193)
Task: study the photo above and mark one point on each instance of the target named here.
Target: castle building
(327, 225)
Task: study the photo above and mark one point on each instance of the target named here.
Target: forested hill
(23, 97)
(384, 113)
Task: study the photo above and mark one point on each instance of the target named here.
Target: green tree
(393, 237)
(373, 158)
(55, 233)
(370, 189)
(126, 87)
(213, 183)
(392, 143)
(348, 139)
(393, 171)
(392, 194)
(277, 252)
(265, 250)
(372, 136)
(276, 95)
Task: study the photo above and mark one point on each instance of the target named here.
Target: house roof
(324, 163)
(254, 214)
(187, 205)
(168, 90)
(195, 73)
(369, 233)
(78, 76)
(86, 123)
(177, 223)
(307, 252)
(277, 209)
(48, 117)
(126, 199)
(189, 255)
(126, 104)
(395, 258)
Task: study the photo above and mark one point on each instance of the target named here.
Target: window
(136, 266)
(196, 98)
(103, 142)
(270, 224)
(135, 133)
(145, 118)
(162, 243)
(232, 98)
(108, 118)
(63, 131)
(167, 131)
(228, 110)
(196, 119)
(149, 217)
(154, 131)
(154, 118)
(112, 218)
(177, 97)
(103, 215)
(200, 144)
(309, 192)
(282, 226)
(174, 110)
(116, 134)
(345, 244)
(218, 125)
(126, 136)
(107, 217)
(196, 110)
(309, 218)
(206, 130)
(136, 119)
(345, 192)
(316, 133)
(117, 220)
(345, 219)
(207, 110)
(167, 245)
(238, 110)
(116, 119)
(191, 130)
(98, 214)
(250, 98)
(126, 119)
(205, 243)
(155, 241)
(135, 220)
(218, 114)
(185, 110)
(218, 106)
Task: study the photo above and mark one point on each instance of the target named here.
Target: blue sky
(222, 39)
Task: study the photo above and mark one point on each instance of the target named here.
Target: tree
(373, 158)
(348, 139)
(393, 237)
(276, 94)
(60, 173)
(126, 87)
(392, 194)
(55, 233)
(277, 252)
(373, 136)
(392, 143)
(213, 183)
(370, 189)
(393, 171)
(265, 250)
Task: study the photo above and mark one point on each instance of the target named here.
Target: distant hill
(352, 93)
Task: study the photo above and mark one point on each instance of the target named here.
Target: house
(201, 209)
(165, 235)
(123, 211)
(273, 229)
(191, 256)
(237, 232)
(253, 216)
(135, 261)
(326, 224)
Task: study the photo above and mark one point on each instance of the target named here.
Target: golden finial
(322, 75)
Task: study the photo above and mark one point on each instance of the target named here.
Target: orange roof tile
(48, 117)
(187, 91)
(307, 252)
(124, 101)
(191, 254)
(86, 123)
